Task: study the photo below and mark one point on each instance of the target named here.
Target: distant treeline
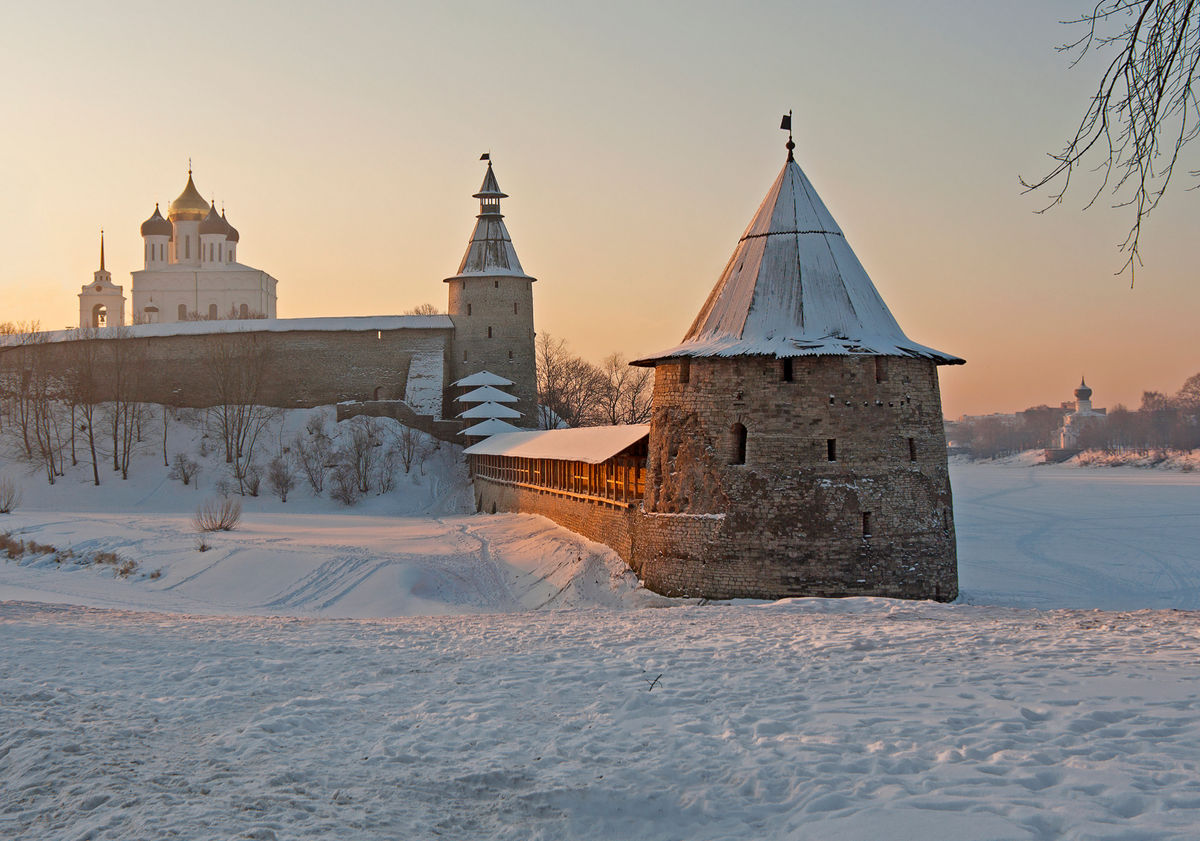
(1162, 422)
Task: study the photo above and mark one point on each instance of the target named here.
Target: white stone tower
(491, 305)
(101, 302)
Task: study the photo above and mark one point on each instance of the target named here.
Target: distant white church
(191, 272)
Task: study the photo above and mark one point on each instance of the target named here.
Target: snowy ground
(523, 688)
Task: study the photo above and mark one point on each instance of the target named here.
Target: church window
(831, 449)
(182, 315)
(212, 312)
(866, 518)
(787, 372)
(187, 247)
(489, 332)
(738, 435)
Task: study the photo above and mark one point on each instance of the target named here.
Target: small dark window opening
(497, 283)
(831, 449)
(510, 356)
(468, 309)
(912, 449)
(866, 523)
(489, 332)
(514, 308)
(787, 370)
(880, 369)
(685, 371)
(738, 432)
(464, 356)
(831, 400)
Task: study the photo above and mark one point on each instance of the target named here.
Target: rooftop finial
(101, 249)
(786, 125)
(189, 166)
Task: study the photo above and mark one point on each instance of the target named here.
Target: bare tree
(237, 365)
(568, 386)
(281, 476)
(83, 382)
(1144, 110)
(625, 392)
(359, 454)
(409, 444)
(423, 309)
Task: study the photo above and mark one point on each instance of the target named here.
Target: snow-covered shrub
(361, 451)
(183, 468)
(281, 476)
(10, 495)
(218, 515)
(315, 454)
(344, 486)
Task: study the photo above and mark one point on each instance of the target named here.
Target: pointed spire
(101, 249)
(490, 251)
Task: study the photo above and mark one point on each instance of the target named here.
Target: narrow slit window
(510, 355)
(497, 284)
(738, 434)
(489, 332)
(912, 449)
(514, 308)
(880, 369)
(866, 517)
(787, 370)
(464, 356)
(468, 309)
(685, 371)
(831, 449)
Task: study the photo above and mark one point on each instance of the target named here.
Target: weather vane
(786, 125)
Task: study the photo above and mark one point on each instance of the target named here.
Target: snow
(491, 426)
(249, 325)
(423, 390)
(405, 669)
(486, 394)
(794, 287)
(490, 410)
(482, 378)
(589, 444)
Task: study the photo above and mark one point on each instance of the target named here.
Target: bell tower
(101, 302)
(491, 305)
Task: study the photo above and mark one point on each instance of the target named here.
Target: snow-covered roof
(490, 410)
(793, 287)
(589, 444)
(487, 394)
(491, 426)
(490, 252)
(247, 325)
(482, 378)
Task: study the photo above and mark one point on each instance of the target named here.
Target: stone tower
(101, 302)
(799, 414)
(491, 305)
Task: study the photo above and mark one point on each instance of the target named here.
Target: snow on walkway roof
(486, 394)
(490, 410)
(482, 378)
(590, 444)
(245, 325)
(793, 287)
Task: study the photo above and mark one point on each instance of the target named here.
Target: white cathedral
(191, 272)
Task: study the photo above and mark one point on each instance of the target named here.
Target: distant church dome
(232, 234)
(1083, 392)
(156, 225)
(213, 224)
(190, 205)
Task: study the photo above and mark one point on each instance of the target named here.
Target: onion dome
(232, 234)
(1083, 392)
(190, 205)
(156, 225)
(213, 223)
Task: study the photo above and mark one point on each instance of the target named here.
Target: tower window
(831, 449)
(468, 309)
(497, 283)
(510, 356)
(912, 449)
(685, 371)
(514, 307)
(738, 434)
(880, 369)
(866, 515)
(489, 332)
(787, 370)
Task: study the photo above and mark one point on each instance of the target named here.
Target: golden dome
(189, 206)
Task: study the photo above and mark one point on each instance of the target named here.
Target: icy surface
(423, 391)
(589, 444)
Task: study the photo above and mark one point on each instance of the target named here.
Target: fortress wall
(298, 368)
(612, 526)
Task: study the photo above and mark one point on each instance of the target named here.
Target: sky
(635, 140)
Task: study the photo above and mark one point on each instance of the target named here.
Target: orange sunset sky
(635, 139)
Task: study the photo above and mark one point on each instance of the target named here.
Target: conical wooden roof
(793, 287)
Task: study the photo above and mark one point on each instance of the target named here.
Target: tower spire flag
(486, 156)
(786, 125)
